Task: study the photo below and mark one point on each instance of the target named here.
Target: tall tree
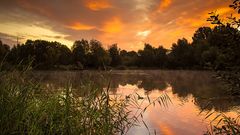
(65, 55)
(114, 53)
(148, 56)
(161, 57)
(201, 43)
(129, 58)
(99, 57)
(181, 55)
(81, 52)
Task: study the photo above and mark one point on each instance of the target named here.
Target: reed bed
(27, 108)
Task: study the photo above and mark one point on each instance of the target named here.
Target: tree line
(216, 48)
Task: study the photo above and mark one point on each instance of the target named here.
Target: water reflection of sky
(178, 118)
(181, 117)
(189, 92)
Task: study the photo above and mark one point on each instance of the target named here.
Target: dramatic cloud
(130, 23)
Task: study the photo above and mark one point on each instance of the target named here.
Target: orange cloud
(79, 26)
(164, 4)
(176, 33)
(224, 10)
(200, 20)
(96, 5)
(114, 25)
(192, 22)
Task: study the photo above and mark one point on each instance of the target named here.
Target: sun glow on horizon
(32, 32)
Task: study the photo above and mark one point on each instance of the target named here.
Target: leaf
(148, 99)
(159, 103)
(209, 115)
(163, 102)
(145, 125)
(219, 122)
(169, 99)
(144, 109)
(216, 117)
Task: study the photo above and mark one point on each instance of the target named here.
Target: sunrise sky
(130, 23)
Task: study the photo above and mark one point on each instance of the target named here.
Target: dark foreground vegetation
(27, 107)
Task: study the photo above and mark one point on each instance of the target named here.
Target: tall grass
(223, 125)
(27, 108)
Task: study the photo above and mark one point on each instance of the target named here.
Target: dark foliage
(4, 50)
(114, 53)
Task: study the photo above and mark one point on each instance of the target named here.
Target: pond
(190, 92)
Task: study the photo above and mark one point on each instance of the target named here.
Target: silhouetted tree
(4, 50)
(114, 53)
(129, 58)
(225, 40)
(201, 44)
(81, 52)
(43, 54)
(66, 57)
(181, 55)
(161, 57)
(99, 57)
(147, 56)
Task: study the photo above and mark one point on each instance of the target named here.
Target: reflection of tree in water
(222, 104)
(207, 92)
(199, 84)
(81, 82)
(142, 81)
(152, 83)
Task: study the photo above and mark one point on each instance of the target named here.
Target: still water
(190, 93)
